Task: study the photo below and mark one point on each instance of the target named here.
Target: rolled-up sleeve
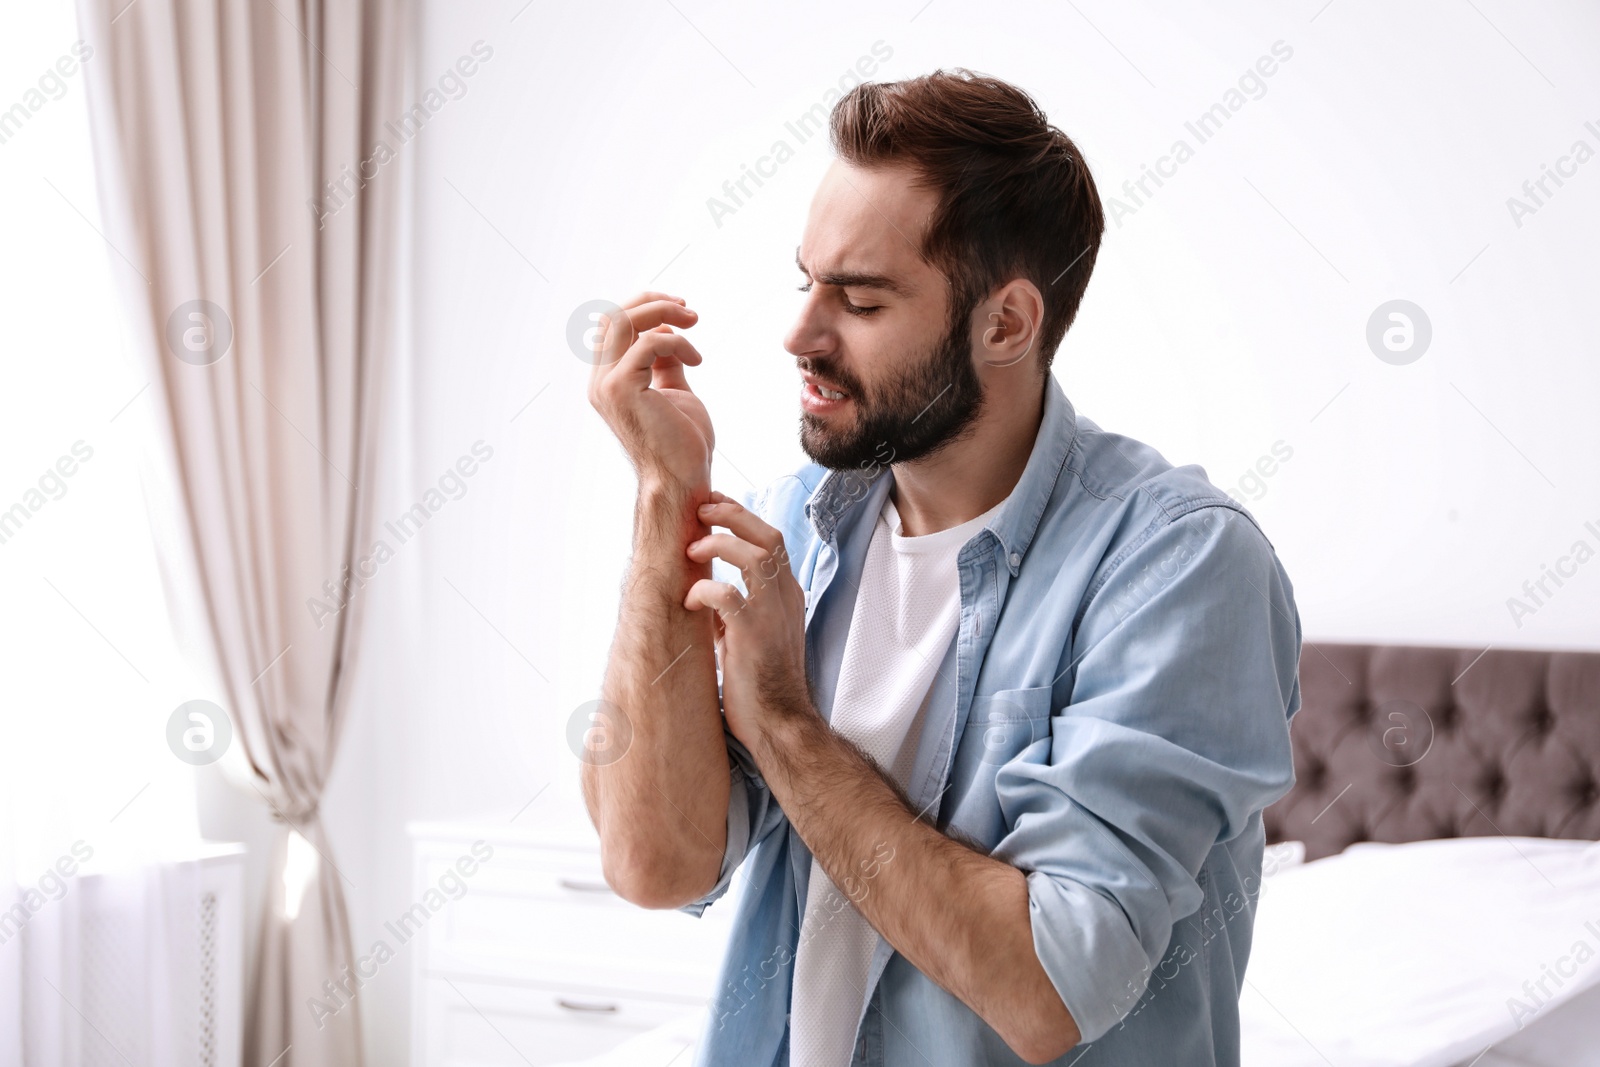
(1175, 733)
(752, 815)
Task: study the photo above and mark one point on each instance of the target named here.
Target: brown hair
(1015, 196)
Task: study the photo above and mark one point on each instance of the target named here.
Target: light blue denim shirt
(1111, 718)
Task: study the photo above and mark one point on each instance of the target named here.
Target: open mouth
(820, 398)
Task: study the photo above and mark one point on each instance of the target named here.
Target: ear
(1011, 320)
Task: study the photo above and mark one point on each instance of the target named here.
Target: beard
(922, 409)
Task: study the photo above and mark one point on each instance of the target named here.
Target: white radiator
(151, 977)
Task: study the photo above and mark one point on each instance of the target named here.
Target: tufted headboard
(1403, 743)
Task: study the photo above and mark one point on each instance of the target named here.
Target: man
(1002, 695)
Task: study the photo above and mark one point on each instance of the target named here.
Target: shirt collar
(842, 490)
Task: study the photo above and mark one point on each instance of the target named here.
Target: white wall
(1228, 312)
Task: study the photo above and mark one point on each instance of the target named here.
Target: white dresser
(532, 959)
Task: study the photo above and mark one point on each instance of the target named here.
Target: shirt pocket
(1004, 725)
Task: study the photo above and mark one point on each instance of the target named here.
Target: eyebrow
(855, 279)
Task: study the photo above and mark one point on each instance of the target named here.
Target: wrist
(785, 728)
(661, 491)
(664, 496)
(666, 519)
(658, 474)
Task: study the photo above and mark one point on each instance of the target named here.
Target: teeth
(829, 393)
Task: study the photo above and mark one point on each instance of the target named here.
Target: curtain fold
(253, 207)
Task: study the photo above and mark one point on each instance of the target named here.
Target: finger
(672, 352)
(649, 295)
(740, 520)
(652, 345)
(615, 341)
(721, 597)
(729, 549)
(668, 375)
(650, 354)
(654, 313)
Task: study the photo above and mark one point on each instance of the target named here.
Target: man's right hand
(639, 388)
(662, 812)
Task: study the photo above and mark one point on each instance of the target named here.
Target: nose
(809, 336)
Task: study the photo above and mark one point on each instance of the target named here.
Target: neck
(972, 475)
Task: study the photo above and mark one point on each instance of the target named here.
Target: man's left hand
(762, 637)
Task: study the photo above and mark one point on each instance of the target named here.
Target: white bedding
(1394, 956)
(1417, 955)
(1569, 1036)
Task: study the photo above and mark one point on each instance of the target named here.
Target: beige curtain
(249, 182)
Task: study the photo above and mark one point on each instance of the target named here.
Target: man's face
(874, 326)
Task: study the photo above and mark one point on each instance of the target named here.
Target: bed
(1448, 800)
(1432, 887)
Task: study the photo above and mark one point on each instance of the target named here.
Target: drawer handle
(590, 1006)
(584, 885)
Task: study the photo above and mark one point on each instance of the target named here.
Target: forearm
(661, 809)
(959, 916)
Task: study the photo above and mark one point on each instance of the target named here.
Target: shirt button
(1016, 559)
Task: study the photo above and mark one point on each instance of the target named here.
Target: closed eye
(854, 309)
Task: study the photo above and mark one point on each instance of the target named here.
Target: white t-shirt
(905, 616)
